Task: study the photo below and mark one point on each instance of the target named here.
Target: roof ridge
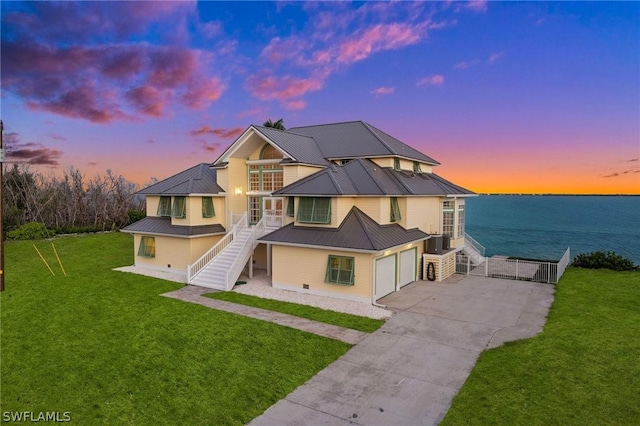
(357, 213)
(386, 145)
(328, 124)
(283, 131)
(330, 170)
(361, 160)
(394, 173)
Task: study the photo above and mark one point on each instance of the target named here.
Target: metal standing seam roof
(357, 139)
(199, 179)
(302, 148)
(162, 226)
(357, 231)
(364, 177)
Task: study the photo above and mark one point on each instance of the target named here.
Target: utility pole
(1, 207)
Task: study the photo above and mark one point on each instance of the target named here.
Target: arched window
(270, 153)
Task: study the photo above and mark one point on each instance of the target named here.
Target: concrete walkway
(193, 294)
(408, 371)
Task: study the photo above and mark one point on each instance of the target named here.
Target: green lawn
(354, 322)
(105, 347)
(584, 369)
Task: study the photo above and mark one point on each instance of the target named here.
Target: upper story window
(164, 207)
(207, 207)
(270, 153)
(266, 176)
(416, 167)
(396, 164)
(179, 210)
(461, 221)
(395, 210)
(448, 211)
(314, 210)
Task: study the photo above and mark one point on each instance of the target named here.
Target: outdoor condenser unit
(446, 242)
(434, 244)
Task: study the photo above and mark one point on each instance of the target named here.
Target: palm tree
(278, 124)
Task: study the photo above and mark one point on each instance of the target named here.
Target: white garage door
(385, 276)
(407, 267)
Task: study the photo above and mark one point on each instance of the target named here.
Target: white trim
(386, 156)
(362, 299)
(267, 161)
(186, 237)
(275, 145)
(373, 252)
(454, 196)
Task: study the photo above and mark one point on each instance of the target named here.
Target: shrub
(30, 231)
(603, 260)
(136, 215)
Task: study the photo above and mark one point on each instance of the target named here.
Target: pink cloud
(224, 133)
(147, 99)
(476, 5)
(269, 87)
(295, 105)
(495, 56)
(378, 38)
(431, 80)
(379, 91)
(335, 37)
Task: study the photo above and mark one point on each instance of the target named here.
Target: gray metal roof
(364, 177)
(200, 179)
(162, 226)
(357, 231)
(302, 148)
(357, 139)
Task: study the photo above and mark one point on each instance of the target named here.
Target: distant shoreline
(560, 195)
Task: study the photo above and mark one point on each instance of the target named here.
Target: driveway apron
(409, 370)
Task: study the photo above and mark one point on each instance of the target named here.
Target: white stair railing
(473, 243)
(232, 274)
(198, 265)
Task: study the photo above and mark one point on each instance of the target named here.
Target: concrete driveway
(408, 371)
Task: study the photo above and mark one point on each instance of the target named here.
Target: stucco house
(343, 210)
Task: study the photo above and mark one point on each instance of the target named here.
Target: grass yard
(354, 322)
(103, 346)
(584, 369)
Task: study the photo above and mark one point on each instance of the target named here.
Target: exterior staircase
(220, 267)
(474, 250)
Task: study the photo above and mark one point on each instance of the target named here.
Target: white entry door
(273, 212)
(407, 267)
(385, 276)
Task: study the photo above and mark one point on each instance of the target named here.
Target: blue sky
(508, 96)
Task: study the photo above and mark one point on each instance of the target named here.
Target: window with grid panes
(147, 247)
(179, 210)
(461, 221)
(395, 210)
(207, 207)
(164, 206)
(340, 270)
(314, 210)
(448, 211)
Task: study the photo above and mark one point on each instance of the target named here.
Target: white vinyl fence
(514, 269)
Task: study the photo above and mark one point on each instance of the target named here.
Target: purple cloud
(110, 77)
(30, 152)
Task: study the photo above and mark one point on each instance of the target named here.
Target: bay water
(543, 226)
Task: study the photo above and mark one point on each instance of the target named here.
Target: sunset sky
(526, 97)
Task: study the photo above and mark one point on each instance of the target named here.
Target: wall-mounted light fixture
(238, 190)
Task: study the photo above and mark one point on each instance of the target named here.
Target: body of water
(543, 226)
